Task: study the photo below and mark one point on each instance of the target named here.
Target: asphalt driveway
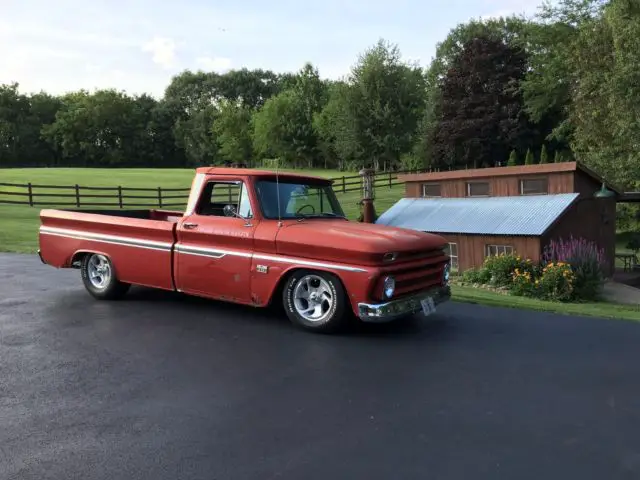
(161, 386)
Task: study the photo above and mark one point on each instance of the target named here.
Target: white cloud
(214, 64)
(163, 51)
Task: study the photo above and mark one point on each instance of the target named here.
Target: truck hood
(351, 242)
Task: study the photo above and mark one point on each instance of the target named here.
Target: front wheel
(315, 301)
(100, 279)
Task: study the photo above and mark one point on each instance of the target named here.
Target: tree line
(563, 84)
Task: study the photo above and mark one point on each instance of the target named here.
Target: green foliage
(476, 276)
(556, 283)
(502, 267)
(529, 159)
(557, 158)
(232, 130)
(634, 244)
(513, 159)
(481, 113)
(565, 81)
(544, 156)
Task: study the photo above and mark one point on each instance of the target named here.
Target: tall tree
(606, 92)
(482, 116)
(232, 130)
(385, 102)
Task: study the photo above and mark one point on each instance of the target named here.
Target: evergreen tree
(513, 159)
(544, 156)
(528, 159)
(557, 157)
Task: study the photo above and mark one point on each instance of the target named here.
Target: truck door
(214, 245)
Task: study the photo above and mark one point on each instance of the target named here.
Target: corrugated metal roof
(529, 215)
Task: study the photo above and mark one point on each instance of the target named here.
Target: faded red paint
(235, 270)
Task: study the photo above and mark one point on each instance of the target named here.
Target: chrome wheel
(99, 270)
(312, 298)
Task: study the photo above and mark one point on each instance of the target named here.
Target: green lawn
(19, 223)
(593, 309)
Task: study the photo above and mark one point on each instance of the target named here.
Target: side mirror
(230, 211)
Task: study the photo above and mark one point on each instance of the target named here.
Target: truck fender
(78, 254)
(276, 292)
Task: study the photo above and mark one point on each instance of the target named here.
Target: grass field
(19, 223)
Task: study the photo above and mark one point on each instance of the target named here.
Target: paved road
(165, 387)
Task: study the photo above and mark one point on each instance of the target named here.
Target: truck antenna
(278, 192)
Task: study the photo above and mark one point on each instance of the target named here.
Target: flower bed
(570, 271)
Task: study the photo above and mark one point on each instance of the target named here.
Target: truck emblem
(262, 268)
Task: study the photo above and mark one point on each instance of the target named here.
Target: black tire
(334, 310)
(112, 288)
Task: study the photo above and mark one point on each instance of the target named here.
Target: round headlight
(446, 273)
(389, 286)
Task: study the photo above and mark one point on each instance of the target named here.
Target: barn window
(452, 251)
(534, 186)
(493, 250)
(431, 190)
(477, 189)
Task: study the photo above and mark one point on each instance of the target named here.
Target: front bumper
(401, 307)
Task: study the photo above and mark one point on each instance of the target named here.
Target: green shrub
(479, 276)
(502, 267)
(557, 283)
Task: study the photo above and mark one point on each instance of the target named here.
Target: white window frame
(499, 250)
(455, 265)
(522, 180)
(424, 194)
(469, 189)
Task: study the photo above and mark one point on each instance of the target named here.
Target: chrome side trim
(307, 263)
(189, 249)
(104, 238)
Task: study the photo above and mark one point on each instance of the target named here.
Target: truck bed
(140, 242)
(154, 214)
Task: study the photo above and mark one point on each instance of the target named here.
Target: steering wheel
(305, 206)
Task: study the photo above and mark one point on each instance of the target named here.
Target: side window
(494, 250)
(452, 251)
(217, 195)
(244, 206)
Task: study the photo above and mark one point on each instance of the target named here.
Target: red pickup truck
(256, 238)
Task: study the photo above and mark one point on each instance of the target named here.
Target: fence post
(390, 185)
(77, 195)
(160, 196)
(344, 185)
(30, 190)
(120, 195)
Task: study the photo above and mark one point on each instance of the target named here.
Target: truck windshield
(297, 199)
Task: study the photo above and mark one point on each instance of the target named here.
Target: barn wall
(585, 185)
(472, 248)
(560, 182)
(593, 219)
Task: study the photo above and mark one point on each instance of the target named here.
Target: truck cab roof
(252, 172)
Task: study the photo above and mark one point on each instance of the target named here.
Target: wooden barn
(518, 209)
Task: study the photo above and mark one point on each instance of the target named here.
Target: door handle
(189, 225)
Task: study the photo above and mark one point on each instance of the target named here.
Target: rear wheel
(315, 301)
(100, 279)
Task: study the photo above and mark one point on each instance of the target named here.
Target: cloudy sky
(138, 45)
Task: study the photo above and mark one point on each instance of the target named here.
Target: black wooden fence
(40, 195)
